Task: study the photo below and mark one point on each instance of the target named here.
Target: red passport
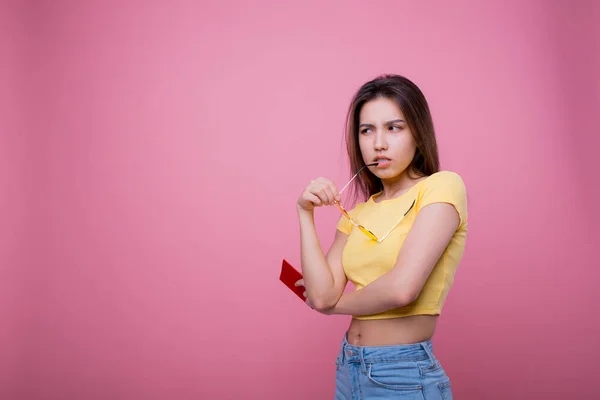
(289, 275)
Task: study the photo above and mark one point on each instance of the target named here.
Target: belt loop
(362, 360)
(429, 351)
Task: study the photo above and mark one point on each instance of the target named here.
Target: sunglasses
(359, 226)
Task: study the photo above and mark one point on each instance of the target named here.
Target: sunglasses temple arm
(340, 192)
(387, 234)
(355, 175)
(394, 227)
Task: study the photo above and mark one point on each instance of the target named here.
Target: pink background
(151, 154)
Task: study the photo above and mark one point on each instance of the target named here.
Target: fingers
(308, 303)
(319, 192)
(313, 198)
(328, 190)
(300, 282)
(325, 190)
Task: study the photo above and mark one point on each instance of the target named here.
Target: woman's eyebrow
(387, 123)
(394, 121)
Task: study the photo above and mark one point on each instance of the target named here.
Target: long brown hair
(414, 106)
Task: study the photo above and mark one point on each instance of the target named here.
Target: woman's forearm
(318, 278)
(379, 296)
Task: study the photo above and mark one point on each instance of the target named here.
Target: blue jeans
(408, 371)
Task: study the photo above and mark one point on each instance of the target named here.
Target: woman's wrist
(304, 213)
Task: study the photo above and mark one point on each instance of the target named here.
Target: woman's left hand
(300, 282)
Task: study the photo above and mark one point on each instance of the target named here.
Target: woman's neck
(397, 186)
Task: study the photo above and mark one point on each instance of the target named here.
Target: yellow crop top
(364, 260)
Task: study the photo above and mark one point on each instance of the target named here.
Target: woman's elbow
(322, 304)
(405, 297)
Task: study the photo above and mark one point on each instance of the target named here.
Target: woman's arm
(324, 277)
(428, 238)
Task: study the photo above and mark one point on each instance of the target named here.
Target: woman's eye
(395, 128)
(365, 130)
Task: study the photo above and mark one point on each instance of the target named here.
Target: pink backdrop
(151, 154)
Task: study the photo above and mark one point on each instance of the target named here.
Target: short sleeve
(344, 225)
(445, 187)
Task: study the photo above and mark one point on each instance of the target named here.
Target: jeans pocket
(445, 389)
(401, 376)
(428, 367)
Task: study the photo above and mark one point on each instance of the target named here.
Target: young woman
(400, 246)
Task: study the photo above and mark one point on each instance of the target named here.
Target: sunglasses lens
(343, 211)
(362, 228)
(367, 232)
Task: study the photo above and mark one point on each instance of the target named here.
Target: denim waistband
(370, 354)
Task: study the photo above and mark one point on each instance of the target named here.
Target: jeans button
(349, 352)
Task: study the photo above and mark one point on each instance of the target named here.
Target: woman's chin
(386, 173)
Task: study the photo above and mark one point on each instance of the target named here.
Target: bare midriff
(394, 331)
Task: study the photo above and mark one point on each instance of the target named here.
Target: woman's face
(384, 137)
